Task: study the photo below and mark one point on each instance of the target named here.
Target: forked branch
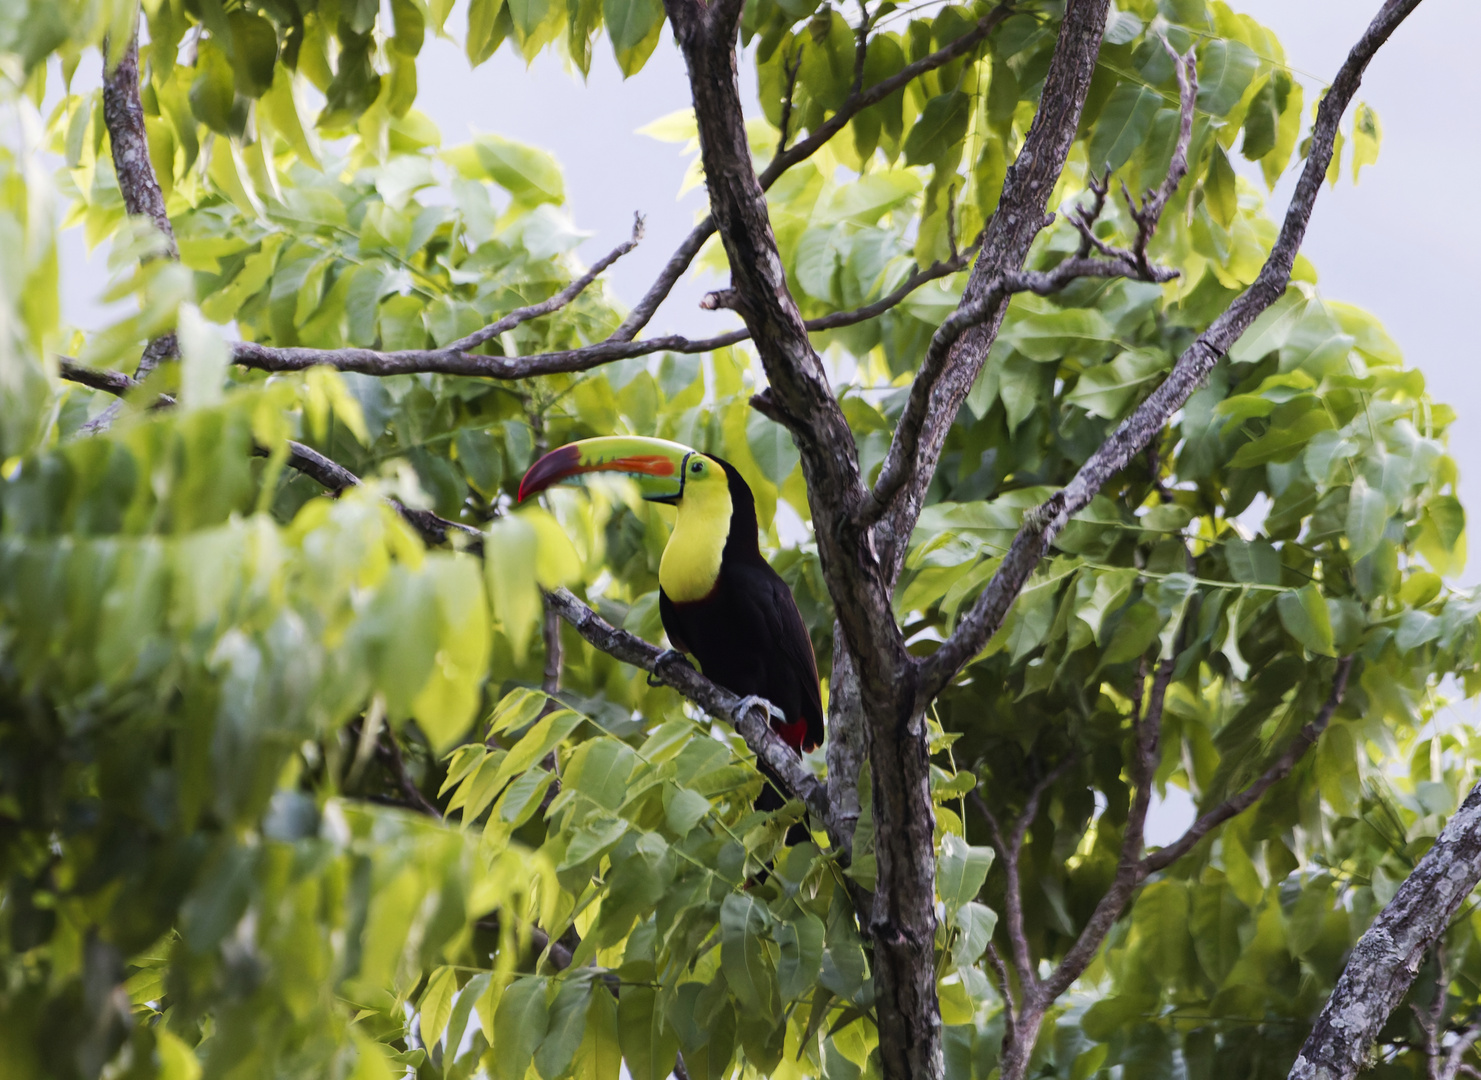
(1147, 421)
(903, 459)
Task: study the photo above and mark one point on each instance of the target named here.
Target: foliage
(214, 680)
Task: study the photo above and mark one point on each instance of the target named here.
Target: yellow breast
(691, 561)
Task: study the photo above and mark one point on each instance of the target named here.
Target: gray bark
(1388, 956)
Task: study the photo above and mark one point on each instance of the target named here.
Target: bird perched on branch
(719, 599)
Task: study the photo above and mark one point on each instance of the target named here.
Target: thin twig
(1242, 801)
(389, 751)
(556, 302)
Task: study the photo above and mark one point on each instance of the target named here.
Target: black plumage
(747, 634)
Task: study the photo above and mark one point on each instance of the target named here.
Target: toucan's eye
(697, 467)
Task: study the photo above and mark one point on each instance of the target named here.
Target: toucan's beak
(656, 464)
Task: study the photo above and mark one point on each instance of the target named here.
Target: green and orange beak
(656, 464)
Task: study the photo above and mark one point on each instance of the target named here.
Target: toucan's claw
(663, 658)
(751, 700)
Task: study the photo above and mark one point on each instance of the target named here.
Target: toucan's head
(666, 472)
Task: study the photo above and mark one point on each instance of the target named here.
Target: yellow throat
(691, 562)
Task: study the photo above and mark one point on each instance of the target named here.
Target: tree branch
(1146, 733)
(450, 361)
(860, 99)
(902, 462)
(1045, 522)
(389, 751)
(1239, 803)
(123, 116)
(1387, 957)
(556, 302)
(753, 724)
(1016, 221)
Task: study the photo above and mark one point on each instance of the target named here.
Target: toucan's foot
(663, 658)
(752, 700)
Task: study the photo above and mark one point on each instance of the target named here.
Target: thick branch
(1045, 522)
(903, 462)
(123, 113)
(1388, 956)
(1017, 220)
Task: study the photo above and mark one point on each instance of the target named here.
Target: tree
(1113, 499)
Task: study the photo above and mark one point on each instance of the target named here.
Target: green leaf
(254, 52)
(1282, 442)
(1221, 188)
(530, 175)
(634, 27)
(683, 809)
(567, 1025)
(772, 446)
(961, 870)
(1367, 515)
(510, 552)
(743, 958)
(801, 961)
(600, 1055)
(649, 1046)
(520, 1024)
(1367, 133)
(1108, 389)
(600, 771)
(975, 924)
(1123, 126)
(437, 1004)
(939, 128)
(1304, 615)
(1224, 71)
(1261, 122)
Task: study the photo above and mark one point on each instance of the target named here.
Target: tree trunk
(903, 925)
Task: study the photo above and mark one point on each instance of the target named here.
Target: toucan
(720, 601)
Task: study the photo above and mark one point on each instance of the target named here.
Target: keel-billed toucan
(719, 600)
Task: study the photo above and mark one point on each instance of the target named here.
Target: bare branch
(753, 725)
(110, 382)
(556, 302)
(1279, 770)
(389, 750)
(1132, 436)
(1150, 212)
(1454, 1066)
(1000, 970)
(792, 67)
(123, 113)
(1015, 222)
(450, 361)
(902, 462)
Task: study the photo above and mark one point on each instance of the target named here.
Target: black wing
(761, 589)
